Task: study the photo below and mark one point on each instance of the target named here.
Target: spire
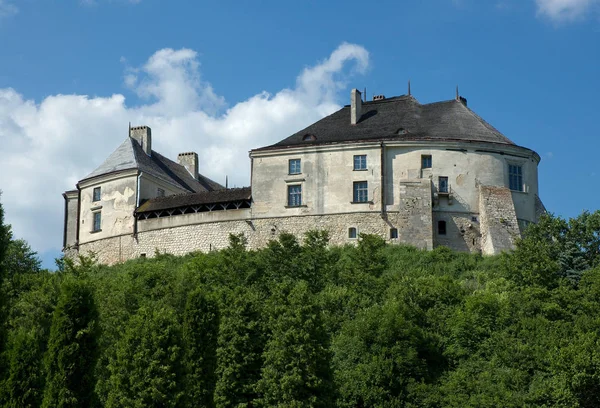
(457, 95)
(409, 87)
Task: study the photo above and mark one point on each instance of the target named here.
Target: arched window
(352, 233)
(441, 227)
(309, 137)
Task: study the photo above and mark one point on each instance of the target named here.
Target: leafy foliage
(304, 324)
(72, 348)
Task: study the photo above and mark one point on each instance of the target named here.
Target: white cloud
(7, 9)
(47, 146)
(565, 10)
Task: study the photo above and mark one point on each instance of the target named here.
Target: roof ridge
(485, 123)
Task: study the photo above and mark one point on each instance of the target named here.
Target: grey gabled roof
(130, 155)
(399, 118)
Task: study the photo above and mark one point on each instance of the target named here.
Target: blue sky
(223, 77)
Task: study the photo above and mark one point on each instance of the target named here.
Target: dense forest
(302, 324)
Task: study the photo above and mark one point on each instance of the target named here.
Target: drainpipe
(382, 179)
(137, 204)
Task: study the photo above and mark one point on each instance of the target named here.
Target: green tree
(200, 334)
(72, 348)
(24, 385)
(240, 346)
(379, 356)
(5, 237)
(146, 369)
(296, 370)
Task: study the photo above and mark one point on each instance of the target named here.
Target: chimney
(190, 162)
(463, 100)
(355, 106)
(142, 135)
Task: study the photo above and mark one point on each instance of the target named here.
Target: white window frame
(360, 162)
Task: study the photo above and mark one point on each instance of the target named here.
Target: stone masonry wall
(462, 231)
(413, 217)
(213, 236)
(499, 226)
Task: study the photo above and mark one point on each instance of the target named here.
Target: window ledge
(295, 180)
(294, 174)
(360, 169)
(98, 207)
(296, 206)
(95, 232)
(362, 202)
(518, 191)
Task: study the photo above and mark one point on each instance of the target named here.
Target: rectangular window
(360, 162)
(97, 222)
(295, 166)
(96, 194)
(515, 177)
(394, 233)
(443, 185)
(295, 196)
(426, 161)
(361, 192)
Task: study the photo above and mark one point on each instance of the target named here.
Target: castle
(421, 174)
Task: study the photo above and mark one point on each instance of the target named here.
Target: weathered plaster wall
(70, 237)
(117, 204)
(466, 169)
(327, 180)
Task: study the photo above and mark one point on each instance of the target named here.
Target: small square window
(443, 185)
(295, 196)
(97, 193)
(352, 233)
(361, 192)
(515, 177)
(426, 161)
(360, 162)
(295, 166)
(97, 222)
(441, 227)
(160, 192)
(393, 233)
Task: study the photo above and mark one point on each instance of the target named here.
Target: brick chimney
(190, 162)
(142, 135)
(355, 106)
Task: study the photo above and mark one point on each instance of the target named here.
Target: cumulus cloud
(565, 10)
(47, 146)
(7, 9)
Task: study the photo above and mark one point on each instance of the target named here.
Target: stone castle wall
(490, 231)
(183, 239)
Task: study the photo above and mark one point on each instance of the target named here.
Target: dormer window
(96, 195)
(309, 138)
